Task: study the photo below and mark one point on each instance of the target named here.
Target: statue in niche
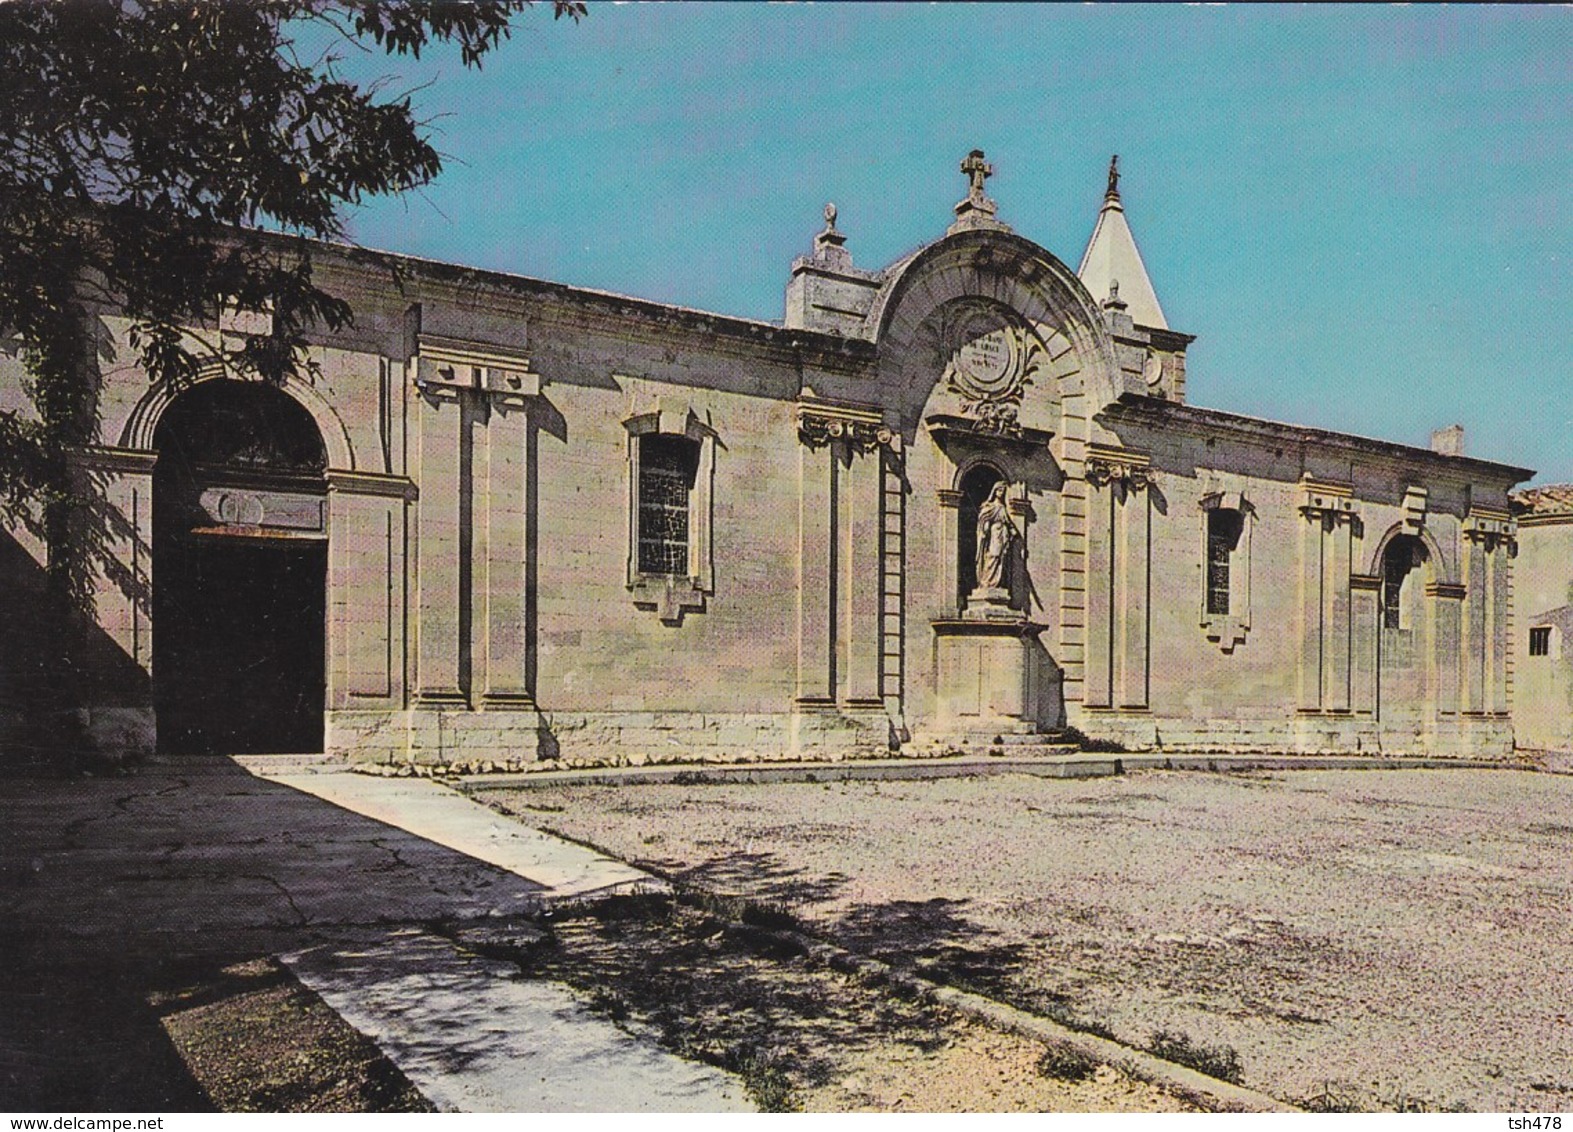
(996, 535)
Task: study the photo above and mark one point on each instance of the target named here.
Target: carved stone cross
(976, 170)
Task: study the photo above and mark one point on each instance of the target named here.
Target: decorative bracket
(1414, 508)
(669, 595)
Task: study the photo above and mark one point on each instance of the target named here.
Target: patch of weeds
(738, 909)
(1093, 746)
(1066, 1063)
(766, 1084)
(691, 778)
(1222, 1062)
(1329, 1099)
(1407, 1102)
(1065, 1016)
(775, 917)
(645, 907)
(1549, 829)
(609, 1004)
(765, 942)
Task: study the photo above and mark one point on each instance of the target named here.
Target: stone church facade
(960, 501)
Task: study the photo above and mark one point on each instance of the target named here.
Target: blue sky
(1363, 213)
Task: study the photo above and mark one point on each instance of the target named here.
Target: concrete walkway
(473, 1036)
(560, 869)
(467, 1031)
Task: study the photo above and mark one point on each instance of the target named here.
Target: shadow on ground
(126, 901)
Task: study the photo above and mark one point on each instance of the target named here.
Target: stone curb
(1067, 766)
(1208, 1092)
(1198, 1088)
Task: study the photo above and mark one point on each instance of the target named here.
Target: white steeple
(1111, 257)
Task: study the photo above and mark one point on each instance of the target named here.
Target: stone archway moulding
(1442, 568)
(1006, 269)
(142, 423)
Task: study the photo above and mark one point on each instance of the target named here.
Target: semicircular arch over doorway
(239, 572)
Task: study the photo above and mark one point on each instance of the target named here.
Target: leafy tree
(146, 147)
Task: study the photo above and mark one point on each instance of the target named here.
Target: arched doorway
(976, 485)
(239, 572)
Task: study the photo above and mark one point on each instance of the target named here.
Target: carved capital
(1326, 502)
(863, 430)
(1118, 465)
(444, 367)
(1491, 529)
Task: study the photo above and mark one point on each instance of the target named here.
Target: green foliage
(144, 147)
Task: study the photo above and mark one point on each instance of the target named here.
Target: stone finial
(1114, 302)
(1113, 192)
(829, 245)
(977, 210)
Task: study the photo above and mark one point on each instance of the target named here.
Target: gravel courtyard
(1385, 939)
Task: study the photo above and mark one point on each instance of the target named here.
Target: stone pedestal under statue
(991, 672)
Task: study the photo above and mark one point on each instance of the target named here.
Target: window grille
(1540, 641)
(1223, 535)
(667, 466)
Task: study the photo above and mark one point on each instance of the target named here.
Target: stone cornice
(371, 483)
(105, 458)
(1327, 499)
(1490, 528)
(943, 426)
(1158, 412)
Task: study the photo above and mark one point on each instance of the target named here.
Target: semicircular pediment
(996, 327)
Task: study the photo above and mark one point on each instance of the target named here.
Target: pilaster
(441, 530)
(1119, 578)
(1324, 589)
(504, 556)
(1365, 592)
(816, 565)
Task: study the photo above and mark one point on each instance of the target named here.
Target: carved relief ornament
(992, 356)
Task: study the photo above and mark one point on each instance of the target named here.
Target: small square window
(1540, 641)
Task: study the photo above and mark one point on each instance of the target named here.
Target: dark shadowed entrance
(239, 573)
